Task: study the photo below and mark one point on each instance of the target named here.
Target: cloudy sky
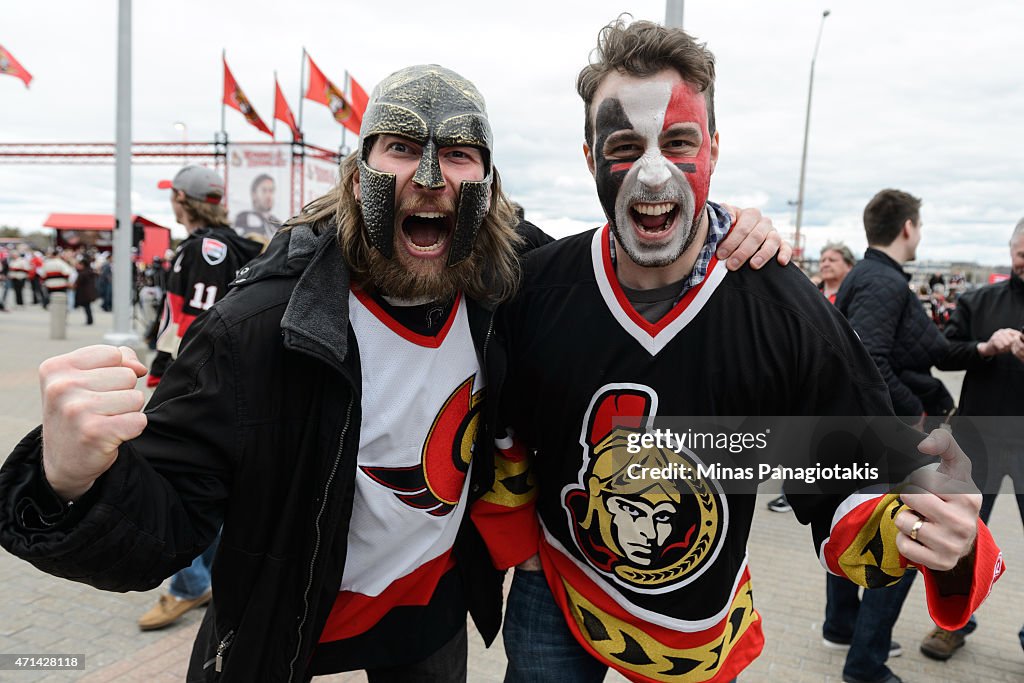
(921, 95)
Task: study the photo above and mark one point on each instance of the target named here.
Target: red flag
(358, 96)
(10, 66)
(282, 112)
(323, 91)
(236, 99)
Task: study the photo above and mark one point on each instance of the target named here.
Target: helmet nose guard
(428, 173)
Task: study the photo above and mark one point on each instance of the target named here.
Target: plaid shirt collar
(719, 222)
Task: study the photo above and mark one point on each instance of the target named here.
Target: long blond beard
(391, 277)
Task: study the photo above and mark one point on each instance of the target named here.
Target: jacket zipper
(474, 488)
(487, 339)
(316, 545)
(222, 646)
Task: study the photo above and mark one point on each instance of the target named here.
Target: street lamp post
(674, 13)
(807, 129)
(122, 242)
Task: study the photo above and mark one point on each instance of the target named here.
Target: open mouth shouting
(427, 232)
(653, 221)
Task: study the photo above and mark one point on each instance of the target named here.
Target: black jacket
(256, 424)
(895, 330)
(992, 386)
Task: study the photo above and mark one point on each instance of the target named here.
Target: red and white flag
(282, 112)
(12, 67)
(236, 99)
(321, 90)
(358, 96)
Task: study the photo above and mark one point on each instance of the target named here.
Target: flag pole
(273, 122)
(348, 102)
(224, 61)
(302, 86)
(122, 332)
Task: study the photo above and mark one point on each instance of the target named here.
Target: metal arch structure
(103, 153)
(159, 153)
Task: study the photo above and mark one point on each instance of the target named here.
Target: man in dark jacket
(986, 336)
(333, 405)
(85, 286)
(904, 343)
(876, 299)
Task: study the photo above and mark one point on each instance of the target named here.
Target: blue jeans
(865, 623)
(194, 580)
(538, 643)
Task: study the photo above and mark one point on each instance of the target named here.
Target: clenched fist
(90, 407)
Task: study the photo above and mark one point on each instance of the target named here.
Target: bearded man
(647, 575)
(328, 410)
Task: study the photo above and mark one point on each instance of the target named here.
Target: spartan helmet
(436, 108)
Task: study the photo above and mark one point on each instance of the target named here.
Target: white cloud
(919, 95)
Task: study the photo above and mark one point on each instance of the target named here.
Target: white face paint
(645, 103)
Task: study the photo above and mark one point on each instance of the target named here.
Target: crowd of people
(413, 389)
(31, 275)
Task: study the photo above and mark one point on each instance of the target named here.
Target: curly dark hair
(643, 48)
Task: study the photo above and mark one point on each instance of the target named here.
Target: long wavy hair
(212, 215)
(490, 274)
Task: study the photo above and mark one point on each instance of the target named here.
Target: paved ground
(43, 615)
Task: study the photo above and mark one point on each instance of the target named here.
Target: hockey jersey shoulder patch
(214, 251)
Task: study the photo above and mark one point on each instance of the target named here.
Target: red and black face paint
(687, 105)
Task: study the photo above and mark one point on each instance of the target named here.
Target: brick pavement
(40, 614)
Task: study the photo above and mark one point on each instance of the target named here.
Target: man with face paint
(639, 319)
(329, 411)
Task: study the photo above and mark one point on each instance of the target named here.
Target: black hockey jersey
(652, 577)
(205, 264)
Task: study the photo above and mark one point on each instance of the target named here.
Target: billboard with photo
(318, 177)
(259, 182)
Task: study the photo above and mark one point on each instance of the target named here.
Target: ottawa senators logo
(434, 485)
(647, 533)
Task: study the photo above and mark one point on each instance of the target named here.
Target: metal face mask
(435, 108)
